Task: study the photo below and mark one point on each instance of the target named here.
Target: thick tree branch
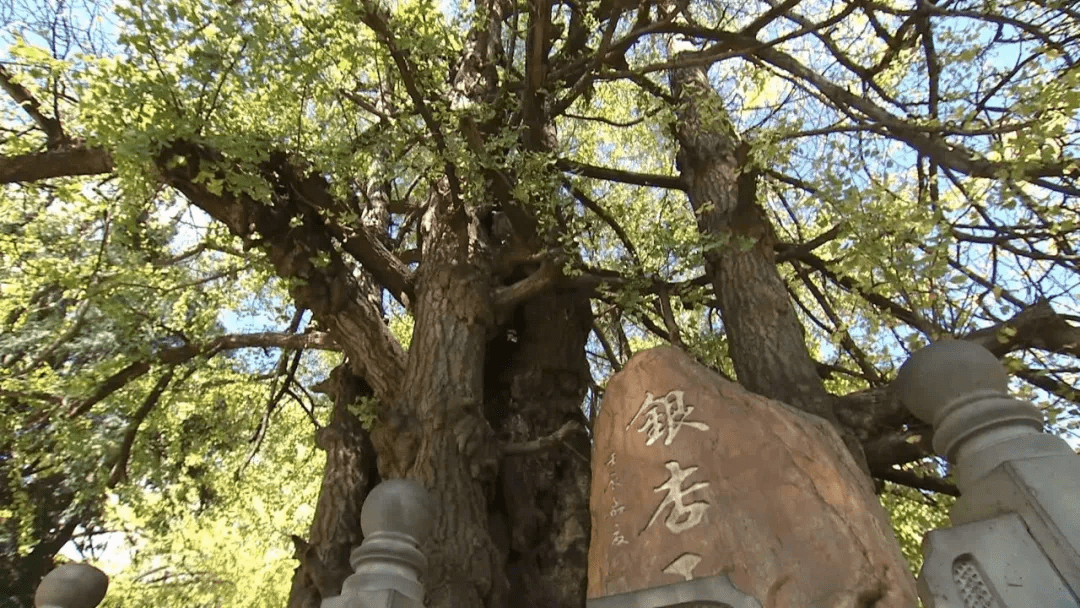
(913, 480)
(1037, 326)
(62, 162)
(54, 133)
(301, 252)
(876, 412)
(897, 448)
(545, 278)
(788, 251)
(384, 266)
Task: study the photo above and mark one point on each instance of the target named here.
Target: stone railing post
(1015, 540)
(397, 516)
(72, 586)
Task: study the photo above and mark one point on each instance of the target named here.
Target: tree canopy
(251, 247)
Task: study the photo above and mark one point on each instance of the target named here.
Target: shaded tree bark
(348, 476)
(536, 378)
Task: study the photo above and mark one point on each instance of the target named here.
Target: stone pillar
(1016, 535)
(705, 492)
(72, 586)
(397, 516)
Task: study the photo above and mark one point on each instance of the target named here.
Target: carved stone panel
(991, 563)
(693, 476)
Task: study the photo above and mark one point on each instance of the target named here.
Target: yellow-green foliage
(913, 514)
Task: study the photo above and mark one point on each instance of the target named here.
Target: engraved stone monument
(706, 494)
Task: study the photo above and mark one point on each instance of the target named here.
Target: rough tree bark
(536, 378)
(453, 452)
(766, 341)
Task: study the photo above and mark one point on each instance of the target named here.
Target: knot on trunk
(477, 445)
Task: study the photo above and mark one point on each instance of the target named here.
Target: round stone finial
(72, 586)
(398, 505)
(941, 373)
(962, 390)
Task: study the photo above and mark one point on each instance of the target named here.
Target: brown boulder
(694, 476)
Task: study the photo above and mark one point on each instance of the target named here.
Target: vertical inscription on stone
(617, 537)
(663, 418)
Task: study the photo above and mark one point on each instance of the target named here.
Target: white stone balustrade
(397, 516)
(72, 586)
(1015, 540)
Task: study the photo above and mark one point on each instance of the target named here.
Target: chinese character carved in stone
(664, 417)
(682, 516)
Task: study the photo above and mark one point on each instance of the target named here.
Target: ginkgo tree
(486, 208)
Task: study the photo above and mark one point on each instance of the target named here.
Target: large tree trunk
(441, 437)
(536, 379)
(511, 530)
(766, 341)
